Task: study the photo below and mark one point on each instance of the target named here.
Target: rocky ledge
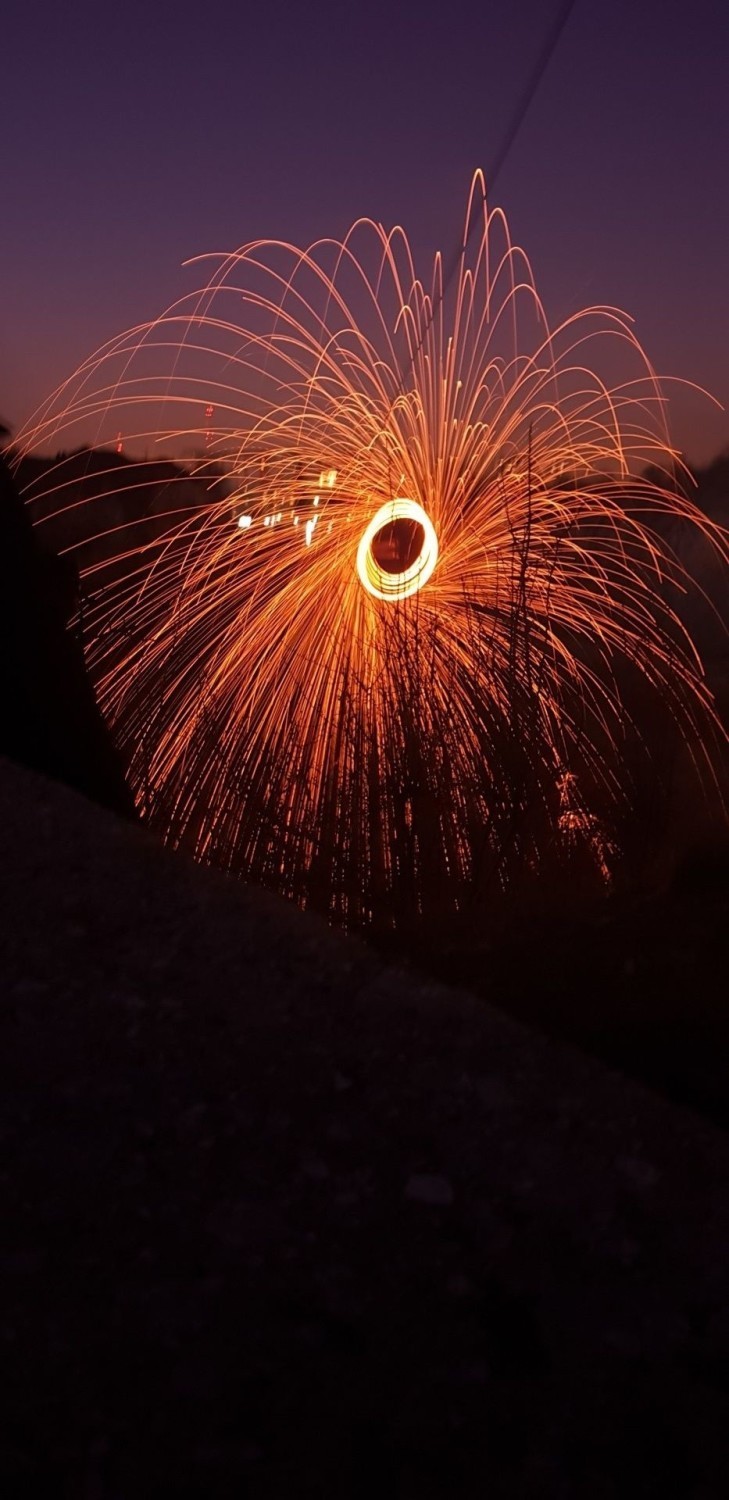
(281, 1220)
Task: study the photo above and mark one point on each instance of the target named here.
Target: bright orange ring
(394, 586)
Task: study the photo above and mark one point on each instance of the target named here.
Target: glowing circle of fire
(393, 586)
(390, 766)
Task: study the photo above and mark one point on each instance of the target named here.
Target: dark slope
(284, 1222)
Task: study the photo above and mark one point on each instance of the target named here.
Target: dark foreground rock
(280, 1221)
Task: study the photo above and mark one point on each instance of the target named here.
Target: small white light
(244, 522)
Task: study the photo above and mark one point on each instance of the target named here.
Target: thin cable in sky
(543, 59)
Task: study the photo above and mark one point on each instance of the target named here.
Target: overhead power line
(521, 110)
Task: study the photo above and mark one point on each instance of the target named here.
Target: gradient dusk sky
(136, 136)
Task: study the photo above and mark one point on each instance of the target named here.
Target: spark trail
(414, 642)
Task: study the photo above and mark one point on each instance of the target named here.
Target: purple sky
(138, 135)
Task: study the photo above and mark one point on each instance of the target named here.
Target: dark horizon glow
(141, 137)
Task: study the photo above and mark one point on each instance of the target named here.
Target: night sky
(138, 135)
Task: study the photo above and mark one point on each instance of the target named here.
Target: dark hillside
(281, 1221)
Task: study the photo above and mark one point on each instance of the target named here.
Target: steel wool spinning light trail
(411, 643)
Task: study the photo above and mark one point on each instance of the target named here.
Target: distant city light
(244, 522)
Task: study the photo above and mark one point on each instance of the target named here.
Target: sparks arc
(385, 739)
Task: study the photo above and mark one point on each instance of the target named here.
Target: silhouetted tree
(50, 719)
